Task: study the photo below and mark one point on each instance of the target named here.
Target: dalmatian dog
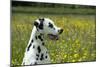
(36, 52)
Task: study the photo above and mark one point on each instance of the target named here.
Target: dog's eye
(50, 25)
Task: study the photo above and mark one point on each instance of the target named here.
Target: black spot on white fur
(37, 55)
(35, 63)
(39, 49)
(29, 47)
(43, 43)
(36, 24)
(36, 37)
(41, 23)
(40, 37)
(42, 57)
(33, 46)
(32, 41)
(46, 56)
(50, 25)
(36, 58)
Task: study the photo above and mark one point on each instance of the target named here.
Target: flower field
(76, 44)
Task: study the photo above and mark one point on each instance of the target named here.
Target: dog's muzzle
(60, 31)
(55, 37)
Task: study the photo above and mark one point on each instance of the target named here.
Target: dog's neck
(36, 35)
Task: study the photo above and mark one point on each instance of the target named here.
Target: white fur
(30, 56)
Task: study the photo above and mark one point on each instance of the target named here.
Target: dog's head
(47, 26)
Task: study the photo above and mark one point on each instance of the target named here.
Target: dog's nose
(60, 31)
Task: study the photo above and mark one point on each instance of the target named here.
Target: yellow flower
(67, 29)
(76, 41)
(52, 60)
(65, 56)
(84, 57)
(76, 55)
(80, 60)
(85, 53)
(73, 60)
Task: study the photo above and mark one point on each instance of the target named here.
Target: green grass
(77, 43)
(51, 10)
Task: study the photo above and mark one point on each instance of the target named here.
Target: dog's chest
(37, 53)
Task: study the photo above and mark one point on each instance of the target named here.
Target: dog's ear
(36, 23)
(41, 19)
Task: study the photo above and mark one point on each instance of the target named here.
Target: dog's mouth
(53, 37)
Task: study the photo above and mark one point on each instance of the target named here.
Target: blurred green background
(76, 44)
